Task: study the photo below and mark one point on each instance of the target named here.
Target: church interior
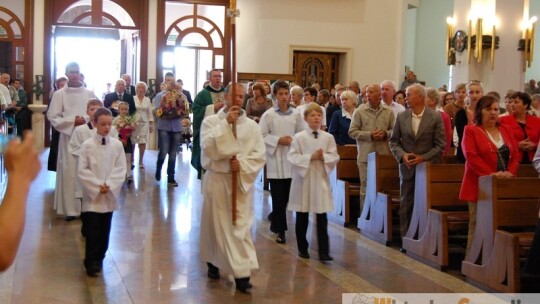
(153, 255)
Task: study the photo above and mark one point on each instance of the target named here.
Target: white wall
(430, 54)
(409, 40)
(370, 29)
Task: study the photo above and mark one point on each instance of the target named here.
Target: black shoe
(213, 272)
(325, 258)
(70, 218)
(280, 239)
(93, 269)
(172, 182)
(158, 175)
(303, 255)
(243, 285)
(92, 272)
(402, 250)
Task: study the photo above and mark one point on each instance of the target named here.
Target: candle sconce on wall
(458, 42)
(486, 42)
(526, 44)
(489, 42)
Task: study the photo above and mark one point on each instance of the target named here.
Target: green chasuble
(205, 97)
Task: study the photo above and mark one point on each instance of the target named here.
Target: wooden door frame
(345, 61)
(27, 42)
(161, 39)
(49, 21)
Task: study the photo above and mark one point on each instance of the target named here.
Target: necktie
(103, 141)
(120, 97)
(316, 134)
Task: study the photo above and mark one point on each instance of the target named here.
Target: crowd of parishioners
(14, 105)
(415, 124)
(490, 135)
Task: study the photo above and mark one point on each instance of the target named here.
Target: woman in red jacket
(525, 127)
(489, 149)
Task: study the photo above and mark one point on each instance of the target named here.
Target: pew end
(382, 191)
(438, 215)
(507, 209)
(345, 183)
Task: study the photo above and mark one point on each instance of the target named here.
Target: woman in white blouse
(144, 110)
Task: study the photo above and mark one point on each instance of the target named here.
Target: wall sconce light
(479, 42)
(527, 43)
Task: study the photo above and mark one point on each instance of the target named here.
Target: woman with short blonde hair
(146, 122)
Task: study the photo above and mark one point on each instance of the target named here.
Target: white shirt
(416, 120)
(396, 108)
(5, 98)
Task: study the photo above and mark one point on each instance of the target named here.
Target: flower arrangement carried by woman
(174, 104)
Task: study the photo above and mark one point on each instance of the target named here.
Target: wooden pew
(504, 206)
(345, 183)
(526, 171)
(382, 187)
(437, 211)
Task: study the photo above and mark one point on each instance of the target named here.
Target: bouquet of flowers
(125, 126)
(174, 104)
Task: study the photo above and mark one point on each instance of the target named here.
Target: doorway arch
(197, 33)
(97, 16)
(15, 46)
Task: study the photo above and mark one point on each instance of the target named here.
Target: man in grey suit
(371, 126)
(418, 136)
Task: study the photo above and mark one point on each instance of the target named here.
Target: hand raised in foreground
(22, 161)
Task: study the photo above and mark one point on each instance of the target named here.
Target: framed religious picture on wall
(459, 43)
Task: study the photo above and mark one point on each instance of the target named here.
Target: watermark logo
(440, 298)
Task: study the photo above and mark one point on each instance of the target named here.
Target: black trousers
(532, 266)
(302, 220)
(279, 189)
(97, 227)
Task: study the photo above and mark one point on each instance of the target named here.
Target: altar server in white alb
(102, 170)
(81, 134)
(278, 126)
(84, 132)
(67, 111)
(225, 246)
(313, 156)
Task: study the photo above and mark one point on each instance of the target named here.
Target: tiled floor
(154, 255)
